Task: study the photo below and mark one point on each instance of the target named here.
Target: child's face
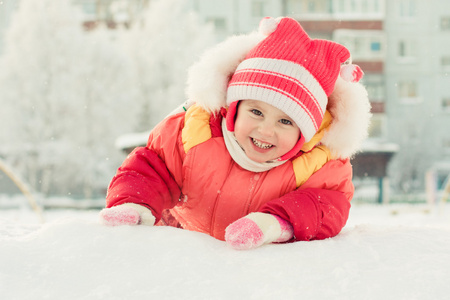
(263, 131)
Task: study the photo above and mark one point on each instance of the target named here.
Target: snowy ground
(384, 252)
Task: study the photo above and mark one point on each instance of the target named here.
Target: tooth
(261, 145)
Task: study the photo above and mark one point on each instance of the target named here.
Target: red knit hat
(291, 72)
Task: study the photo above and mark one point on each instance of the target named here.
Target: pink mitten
(257, 229)
(127, 214)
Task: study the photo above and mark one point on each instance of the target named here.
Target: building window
(446, 104)
(445, 62)
(364, 6)
(377, 126)
(258, 9)
(407, 92)
(445, 23)
(446, 144)
(375, 87)
(319, 6)
(340, 6)
(220, 24)
(407, 51)
(293, 7)
(407, 9)
(310, 6)
(337, 9)
(375, 46)
(362, 44)
(358, 7)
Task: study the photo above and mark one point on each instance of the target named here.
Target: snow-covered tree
(65, 92)
(164, 42)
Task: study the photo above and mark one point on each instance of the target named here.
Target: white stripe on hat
(292, 71)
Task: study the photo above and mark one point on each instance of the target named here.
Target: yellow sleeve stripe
(196, 127)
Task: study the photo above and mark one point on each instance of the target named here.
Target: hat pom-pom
(351, 73)
(268, 25)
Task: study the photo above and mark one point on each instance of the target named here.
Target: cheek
(241, 129)
(290, 139)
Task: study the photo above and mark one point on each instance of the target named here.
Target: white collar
(239, 156)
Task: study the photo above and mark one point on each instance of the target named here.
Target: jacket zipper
(213, 216)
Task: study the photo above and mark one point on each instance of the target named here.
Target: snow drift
(377, 256)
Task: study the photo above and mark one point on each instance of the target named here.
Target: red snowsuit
(186, 168)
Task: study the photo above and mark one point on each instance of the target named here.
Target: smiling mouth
(261, 144)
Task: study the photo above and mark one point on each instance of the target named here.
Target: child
(262, 153)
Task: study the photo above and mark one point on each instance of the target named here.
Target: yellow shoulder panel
(326, 122)
(312, 160)
(308, 163)
(196, 127)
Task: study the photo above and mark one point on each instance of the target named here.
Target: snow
(384, 252)
(132, 140)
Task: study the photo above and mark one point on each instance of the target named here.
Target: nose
(266, 129)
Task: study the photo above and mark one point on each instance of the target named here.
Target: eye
(286, 122)
(256, 112)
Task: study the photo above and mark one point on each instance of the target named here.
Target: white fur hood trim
(208, 78)
(350, 107)
(348, 104)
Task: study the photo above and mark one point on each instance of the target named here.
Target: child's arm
(317, 210)
(301, 215)
(315, 214)
(142, 180)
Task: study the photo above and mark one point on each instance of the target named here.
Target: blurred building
(359, 25)
(417, 76)
(401, 45)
